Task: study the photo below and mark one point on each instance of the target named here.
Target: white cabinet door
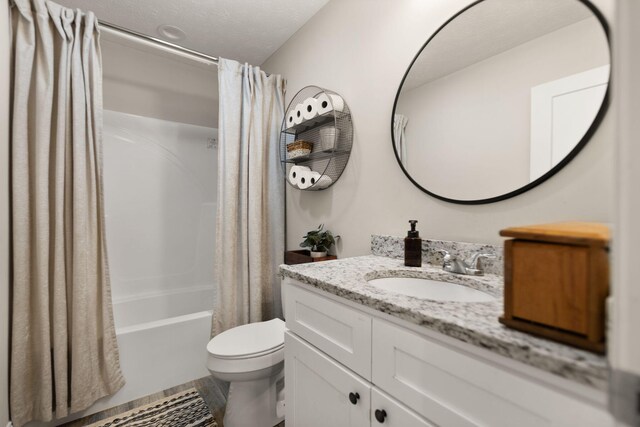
(319, 391)
(391, 413)
(336, 329)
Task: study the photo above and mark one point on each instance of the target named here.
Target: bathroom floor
(213, 392)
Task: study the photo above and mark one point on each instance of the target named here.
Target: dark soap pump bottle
(413, 247)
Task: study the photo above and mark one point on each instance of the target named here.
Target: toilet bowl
(251, 358)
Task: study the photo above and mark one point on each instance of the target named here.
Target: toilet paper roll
(323, 182)
(294, 174)
(328, 102)
(290, 118)
(309, 108)
(298, 118)
(306, 178)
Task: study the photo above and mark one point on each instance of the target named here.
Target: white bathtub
(162, 340)
(160, 347)
(132, 313)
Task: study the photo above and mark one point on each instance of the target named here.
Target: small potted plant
(319, 241)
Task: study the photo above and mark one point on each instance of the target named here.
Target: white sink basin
(431, 289)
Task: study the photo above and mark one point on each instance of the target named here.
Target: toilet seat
(247, 350)
(247, 341)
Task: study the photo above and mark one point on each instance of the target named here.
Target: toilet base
(253, 403)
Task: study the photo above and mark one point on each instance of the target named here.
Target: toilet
(251, 358)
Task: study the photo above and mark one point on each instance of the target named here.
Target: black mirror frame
(579, 146)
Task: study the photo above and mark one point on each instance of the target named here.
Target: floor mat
(185, 409)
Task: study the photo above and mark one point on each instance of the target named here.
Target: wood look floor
(214, 393)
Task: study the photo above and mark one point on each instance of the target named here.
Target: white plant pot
(318, 254)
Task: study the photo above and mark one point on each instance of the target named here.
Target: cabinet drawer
(340, 331)
(318, 389)
(453, 388)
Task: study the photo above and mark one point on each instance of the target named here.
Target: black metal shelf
(321, 155)
(324, 119)
(328, 163)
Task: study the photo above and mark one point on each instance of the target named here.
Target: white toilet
(251, 358)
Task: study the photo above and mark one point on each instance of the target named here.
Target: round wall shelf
(315, 139)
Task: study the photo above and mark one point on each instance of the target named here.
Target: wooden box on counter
(556, 282)
(303, 256)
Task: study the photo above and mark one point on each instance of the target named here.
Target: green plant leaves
(318, 240)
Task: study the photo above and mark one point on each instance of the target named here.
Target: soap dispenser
(413, 247)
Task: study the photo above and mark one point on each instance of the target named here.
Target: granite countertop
(475, 323)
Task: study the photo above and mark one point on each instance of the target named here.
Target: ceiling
(244, 30)
(490, 28)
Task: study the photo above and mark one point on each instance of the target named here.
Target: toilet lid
(248, 340)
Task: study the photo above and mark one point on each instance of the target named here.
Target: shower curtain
(399, 125)
(64, 354)
(250, 213)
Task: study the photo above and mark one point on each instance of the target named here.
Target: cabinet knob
(380, 414)
(353, 398)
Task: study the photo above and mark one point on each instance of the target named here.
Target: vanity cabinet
(321, 393)
(349, 365)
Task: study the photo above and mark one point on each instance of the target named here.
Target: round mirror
(501, 97)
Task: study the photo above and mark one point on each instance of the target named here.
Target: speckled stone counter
(475, 323)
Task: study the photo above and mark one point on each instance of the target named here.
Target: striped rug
(185, 409)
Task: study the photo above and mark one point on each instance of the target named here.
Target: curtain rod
(159, 42)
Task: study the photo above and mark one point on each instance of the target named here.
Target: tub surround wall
(473, 323)
(160, 204)
(361, 50)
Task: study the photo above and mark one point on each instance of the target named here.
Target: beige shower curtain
(64, 354)
(250, 213)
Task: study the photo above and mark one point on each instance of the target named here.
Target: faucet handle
(447, 258)
(473, 263)
(444, 252)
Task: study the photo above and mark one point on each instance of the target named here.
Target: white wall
(150, 82)
(361, 50)
(4, 212)
(461, 123)
(160, 187)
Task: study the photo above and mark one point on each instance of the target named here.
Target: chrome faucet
(473, 267)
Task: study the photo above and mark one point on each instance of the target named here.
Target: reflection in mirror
(502, 94)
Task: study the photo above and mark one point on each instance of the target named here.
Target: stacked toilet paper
(307, 179)
(309, 108)
(322, 182)
(295, 173)
(304, 178)
(313, 107)
(328, 102)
